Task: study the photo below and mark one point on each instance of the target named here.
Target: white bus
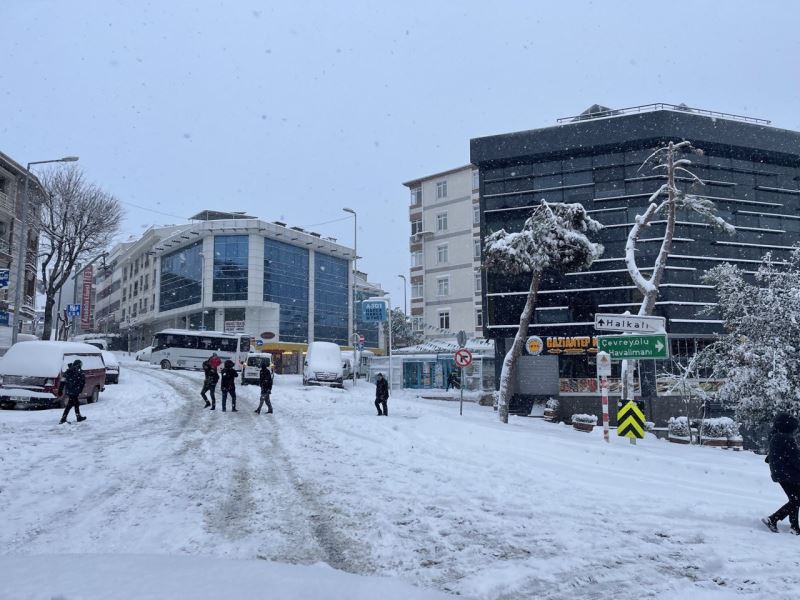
(185, 349)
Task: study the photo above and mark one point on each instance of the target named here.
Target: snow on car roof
(34, 357)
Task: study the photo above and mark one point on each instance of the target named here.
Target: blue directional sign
(73, 310)
(4, 318)
(3, 279)
(373, 311)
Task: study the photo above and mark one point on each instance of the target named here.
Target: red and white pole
(604, 400)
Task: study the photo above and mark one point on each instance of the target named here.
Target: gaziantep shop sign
(579, 345)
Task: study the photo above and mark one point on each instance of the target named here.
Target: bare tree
(553, 237)
(77, 220)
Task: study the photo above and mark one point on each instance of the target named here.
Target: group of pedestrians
(227, 379)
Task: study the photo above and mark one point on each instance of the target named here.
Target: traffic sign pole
(463, 359)
(604, 400)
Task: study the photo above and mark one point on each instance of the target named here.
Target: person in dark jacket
(784, 466)
(265, 381)
(209, 384)
(228, 385)
(381, 395)
(72, 384)
(452, 380)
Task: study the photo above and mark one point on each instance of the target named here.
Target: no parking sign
(463, 358)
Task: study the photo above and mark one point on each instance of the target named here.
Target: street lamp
(352, 333)
(405, 297)
(203, 288)
(23, 239)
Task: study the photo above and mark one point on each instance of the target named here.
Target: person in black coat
(72, 384)
(453, 380)
(265, 381)
(228, 384)
(784, 466)
(209, 383)
(381, 395)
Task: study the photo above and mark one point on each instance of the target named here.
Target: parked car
(252, 366)
(112, 366)
(323, 365)
(144, 354)
(30, 373)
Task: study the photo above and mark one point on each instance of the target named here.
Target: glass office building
(751, 171)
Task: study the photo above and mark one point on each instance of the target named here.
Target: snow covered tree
(77, 220)
(670, 160)
(553, 237)
(758, 359)
(402, 333)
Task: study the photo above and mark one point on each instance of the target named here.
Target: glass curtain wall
(181, 274)
(330, 299)
(230, 267)
(286, 283)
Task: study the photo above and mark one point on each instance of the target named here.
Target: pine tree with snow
(758, 359)
(553, 237)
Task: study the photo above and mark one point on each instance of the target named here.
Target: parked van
(323, 365)
(251, 372)
(30, 373)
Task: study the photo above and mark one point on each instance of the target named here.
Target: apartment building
(445, 275)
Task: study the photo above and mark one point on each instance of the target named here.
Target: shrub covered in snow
(552, 403)
(585, 419)
(722, 427)
(679, 427)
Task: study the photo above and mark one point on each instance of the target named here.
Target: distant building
(445, 274)
(751, 171)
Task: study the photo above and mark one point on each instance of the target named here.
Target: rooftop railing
(618, 112)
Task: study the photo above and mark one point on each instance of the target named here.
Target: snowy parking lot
(452, 505)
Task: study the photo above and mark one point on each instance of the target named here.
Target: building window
(417, 323)
(441, 189)
(479, 317)
(230, 267)
(416, 290)
(476, 248)
(416, 227)
(475, 180)
(444, 319)
(476, 214)
(443, 286)
(441, 221)
(416, 196)
(477, 281)
(441, 254)
(286, 283)
(416, 258)
(181, 273)
(331, 299)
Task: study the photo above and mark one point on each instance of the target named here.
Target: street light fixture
(352, 334)
(23, 242)
(405, 297)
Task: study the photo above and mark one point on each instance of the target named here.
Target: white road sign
(606, 322)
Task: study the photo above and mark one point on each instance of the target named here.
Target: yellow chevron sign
(630, 421)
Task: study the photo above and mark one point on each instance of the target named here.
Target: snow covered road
(460, 504)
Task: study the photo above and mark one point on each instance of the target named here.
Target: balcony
(5, 249)
(7, 204)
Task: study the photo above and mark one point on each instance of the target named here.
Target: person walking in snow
(265, 381)
(228, 385)
(209, 383)
(784, 466)
(452, 380)
(72, 384)
(381, 395)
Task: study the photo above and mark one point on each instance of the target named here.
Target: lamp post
(23, 242)
(352, 333)
(203, 289)
(405, 296)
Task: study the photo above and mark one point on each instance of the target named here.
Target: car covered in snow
(323, 365)
(112, 366)
(30, 373)
(251, 371)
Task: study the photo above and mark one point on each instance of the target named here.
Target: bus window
(245, 344)
(227, 344)
(207, 343)
(159, 341)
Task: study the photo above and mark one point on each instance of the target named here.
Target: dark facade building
(751, 171)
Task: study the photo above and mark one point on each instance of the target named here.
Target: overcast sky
(293, 110)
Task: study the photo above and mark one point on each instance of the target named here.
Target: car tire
(166, 365)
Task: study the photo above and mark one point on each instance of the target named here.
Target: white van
(251, 371)
(323, 365)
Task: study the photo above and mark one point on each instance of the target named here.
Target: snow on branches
(758, 358)
(553, 237)
(668, 161)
